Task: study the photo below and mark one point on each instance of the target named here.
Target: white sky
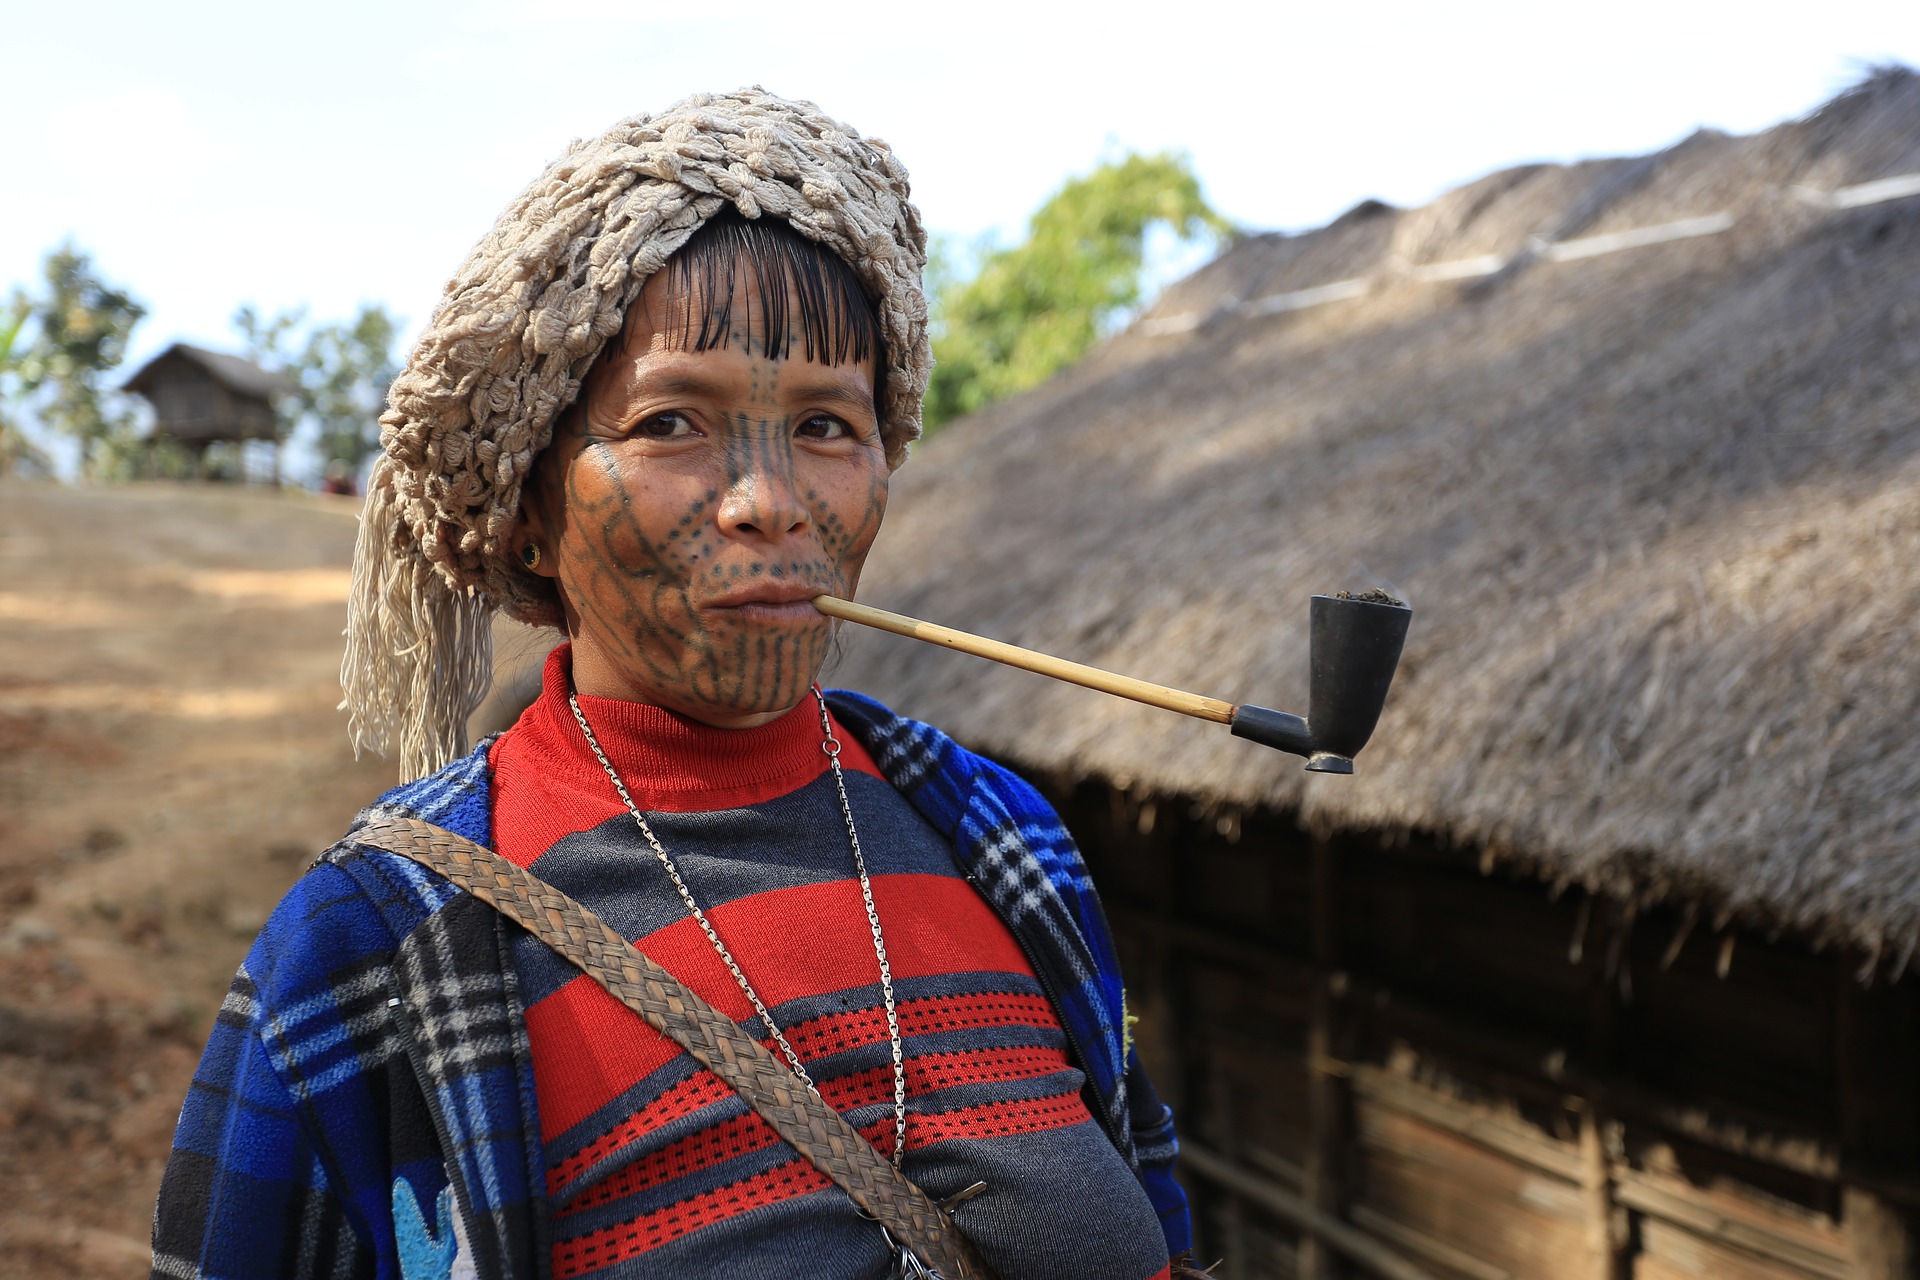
(209, 154)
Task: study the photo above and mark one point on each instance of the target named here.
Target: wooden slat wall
(192, 405)
(1518, 1087)
(1467, 1196)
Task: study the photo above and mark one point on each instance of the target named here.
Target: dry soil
(170, 759)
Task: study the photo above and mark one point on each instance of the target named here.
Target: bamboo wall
(1386, 1062)
(192, 405)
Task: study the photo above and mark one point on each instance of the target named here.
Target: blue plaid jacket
(365, 1107)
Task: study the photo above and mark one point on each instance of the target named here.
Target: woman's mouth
(769, 603)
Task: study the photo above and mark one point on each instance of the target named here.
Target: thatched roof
(1657, 511)
(236, 373)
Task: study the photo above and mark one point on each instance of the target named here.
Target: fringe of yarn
(419, 655)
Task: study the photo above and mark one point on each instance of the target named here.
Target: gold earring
(530, 556)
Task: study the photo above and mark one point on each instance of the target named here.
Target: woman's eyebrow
(664, 382)
(676, 384)
(832, 392)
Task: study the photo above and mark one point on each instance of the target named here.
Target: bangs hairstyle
(796, 291)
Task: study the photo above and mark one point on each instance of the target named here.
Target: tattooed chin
(755, 658)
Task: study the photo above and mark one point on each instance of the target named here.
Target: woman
(658, 407)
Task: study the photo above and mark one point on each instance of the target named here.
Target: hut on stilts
(1599, 966)
(212, 403)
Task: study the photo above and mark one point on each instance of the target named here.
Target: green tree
(80, 332)
(17, 452)
(1030, 310)
(340, 373)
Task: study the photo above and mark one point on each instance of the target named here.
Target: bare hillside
(170, 758)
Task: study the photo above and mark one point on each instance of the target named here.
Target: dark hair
(786, 273)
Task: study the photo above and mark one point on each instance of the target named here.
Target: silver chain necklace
(831, 746)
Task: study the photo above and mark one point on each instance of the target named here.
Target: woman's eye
(823, 426)
(664, 426)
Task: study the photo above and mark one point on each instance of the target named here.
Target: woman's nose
(763, 500)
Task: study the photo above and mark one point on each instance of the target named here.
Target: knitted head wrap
(514, 335)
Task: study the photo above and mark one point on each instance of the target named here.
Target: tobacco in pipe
(1354, 647)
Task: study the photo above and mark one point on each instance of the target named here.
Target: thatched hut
(204, 398)
(1595, 966)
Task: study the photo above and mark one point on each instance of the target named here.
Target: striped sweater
(654, 1165)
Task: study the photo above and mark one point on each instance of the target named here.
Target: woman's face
(691, 504)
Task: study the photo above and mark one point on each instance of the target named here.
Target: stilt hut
(1598, 965)
(202, 398)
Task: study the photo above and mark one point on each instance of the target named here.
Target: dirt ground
(170, 759)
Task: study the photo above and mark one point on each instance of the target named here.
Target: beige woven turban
(516, 331)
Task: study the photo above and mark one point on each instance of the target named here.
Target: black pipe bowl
(1355, 649)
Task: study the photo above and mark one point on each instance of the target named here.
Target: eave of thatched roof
(1658, 514)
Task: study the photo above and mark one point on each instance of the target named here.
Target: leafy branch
(340, 374)
(1032, 309)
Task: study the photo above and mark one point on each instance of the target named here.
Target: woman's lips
(770, 603)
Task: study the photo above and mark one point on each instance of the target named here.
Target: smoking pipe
(1354, 647)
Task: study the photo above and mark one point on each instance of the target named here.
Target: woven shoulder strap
(813, 1128)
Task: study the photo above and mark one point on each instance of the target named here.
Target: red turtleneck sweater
(654, 1166)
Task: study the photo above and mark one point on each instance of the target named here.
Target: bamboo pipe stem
(1154, 695)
